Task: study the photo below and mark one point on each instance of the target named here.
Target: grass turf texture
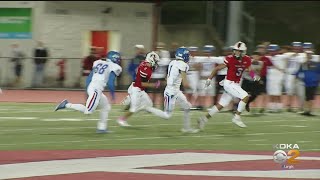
(33, 126)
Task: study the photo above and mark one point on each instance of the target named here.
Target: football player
(138, 99)
(236, 64)
(103, 72)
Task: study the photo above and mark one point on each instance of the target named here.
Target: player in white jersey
(208, 63)
(177, 74)
(103, 72)
(193, 76)
(275, 77)
(292, 84)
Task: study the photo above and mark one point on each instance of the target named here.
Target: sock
(186, 119)
(77, 107)
(241, 106)
(158, 112)
(213, 110)
(102, 123)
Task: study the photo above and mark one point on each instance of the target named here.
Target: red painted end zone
(7, 157)
(256, 165)
(135, 176)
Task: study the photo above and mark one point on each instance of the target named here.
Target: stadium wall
(61, 25)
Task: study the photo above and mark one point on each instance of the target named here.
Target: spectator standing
(138, 58)
(41, 55)
(309, 73)
(17, 58)
(174, 47)
(87, 65)
(61, 76)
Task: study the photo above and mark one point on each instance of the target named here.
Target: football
(280, 156)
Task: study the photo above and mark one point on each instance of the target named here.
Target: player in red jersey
(138, 99)
(236, 64)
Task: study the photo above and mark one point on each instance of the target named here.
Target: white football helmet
(240, 46)
(153, 58)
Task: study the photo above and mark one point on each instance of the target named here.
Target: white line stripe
(256, 140)
(19, 118)
(139, 138)
(304, 141)
(70, 119)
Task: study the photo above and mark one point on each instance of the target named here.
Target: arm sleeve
(226, 62)
(111, 85)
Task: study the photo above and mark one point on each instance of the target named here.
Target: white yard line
(287, 125)
(19, 118)
(304, 141)
(145, 138)
(257, 140)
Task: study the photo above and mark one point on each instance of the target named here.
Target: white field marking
(133, 138)
(73, 119)
(139, 163)
(70, 119)
(114, 117)
(310, 150)
(259, 145)
(304, 141)
(19, 118)
(86, 127)
(257, 140)
(32, 111)
(287, 125)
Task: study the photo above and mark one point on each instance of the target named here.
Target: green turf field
(25, 126)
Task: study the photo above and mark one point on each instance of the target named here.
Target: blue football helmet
(208, 48)
(296, 44)
(114, 56)
(183, 54)
(307, 45)
(273, 47)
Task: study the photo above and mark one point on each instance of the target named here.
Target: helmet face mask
(239, 49)
(238, 53)
(153, 58)
(114, 57)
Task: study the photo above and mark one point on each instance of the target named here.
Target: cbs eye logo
(281, 157)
